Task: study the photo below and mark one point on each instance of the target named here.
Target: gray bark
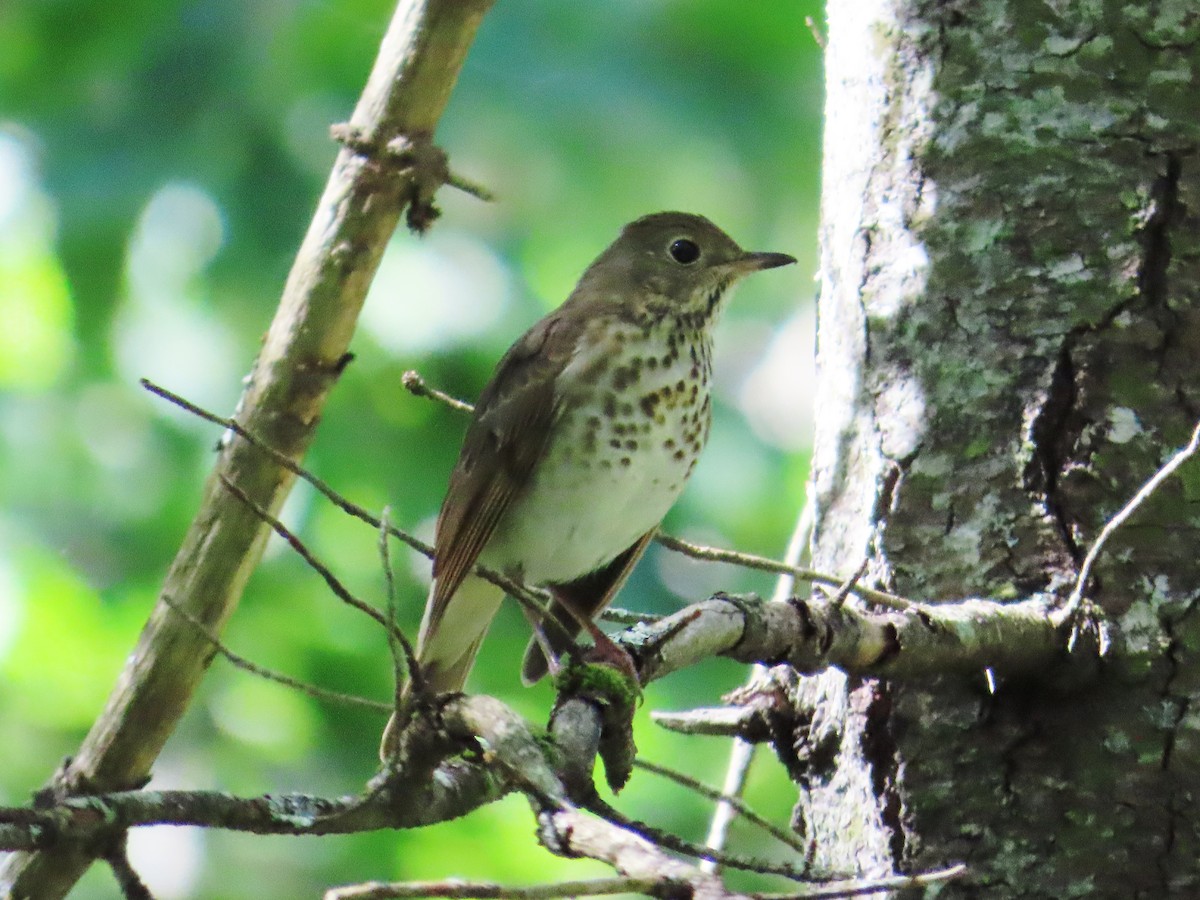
(1008, 334)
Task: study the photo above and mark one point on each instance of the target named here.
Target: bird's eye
(684, 252)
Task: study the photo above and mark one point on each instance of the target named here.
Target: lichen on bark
(1008, 329)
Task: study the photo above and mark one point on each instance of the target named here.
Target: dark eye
(684, 252)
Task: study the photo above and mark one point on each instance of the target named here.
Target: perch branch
(963, 637)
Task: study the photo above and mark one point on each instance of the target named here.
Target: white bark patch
(1123, 425)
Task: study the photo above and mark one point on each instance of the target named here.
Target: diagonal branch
(302, 355)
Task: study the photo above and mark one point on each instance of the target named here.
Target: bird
(581, 441)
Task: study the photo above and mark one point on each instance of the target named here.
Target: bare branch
(715, 721)
(668, 841)
(419, 387)
(570, 832)
(764, 564)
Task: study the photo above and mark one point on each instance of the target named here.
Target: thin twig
(762, 563)
(528, 597)
(1156, 480)
(736, 802)
(419, 387)
(253, 668)
(454, 887)
(467, 186)
(404, 659)
(674, 842)
(850, 585)
(339, 590)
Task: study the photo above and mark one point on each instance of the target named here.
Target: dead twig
(240, 662)
(1122, 516)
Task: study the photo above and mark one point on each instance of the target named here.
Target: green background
(159, 162)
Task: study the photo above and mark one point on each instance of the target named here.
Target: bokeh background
(159, 162)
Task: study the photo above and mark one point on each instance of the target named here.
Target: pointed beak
(754, 262)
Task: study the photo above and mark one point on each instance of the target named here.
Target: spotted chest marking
(653, 399)
(636, 415)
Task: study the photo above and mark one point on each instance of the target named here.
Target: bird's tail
(446, 649)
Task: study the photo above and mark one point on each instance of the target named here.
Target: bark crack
(881, 756)
(1052, 435)
(1180, 705)
(1156, 235)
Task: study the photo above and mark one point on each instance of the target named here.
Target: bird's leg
(536, 623)
(604, 649)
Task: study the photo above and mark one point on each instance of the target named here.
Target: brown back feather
(506, 440)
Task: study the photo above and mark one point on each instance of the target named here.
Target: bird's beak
(754, 262)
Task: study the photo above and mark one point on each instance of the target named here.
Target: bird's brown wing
(507, 438)
(584, 597)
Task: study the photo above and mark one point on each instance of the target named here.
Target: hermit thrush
(582, 440)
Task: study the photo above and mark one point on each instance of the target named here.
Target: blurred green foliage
(159, 162)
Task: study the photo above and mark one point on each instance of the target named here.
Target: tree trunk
(1009, 329)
